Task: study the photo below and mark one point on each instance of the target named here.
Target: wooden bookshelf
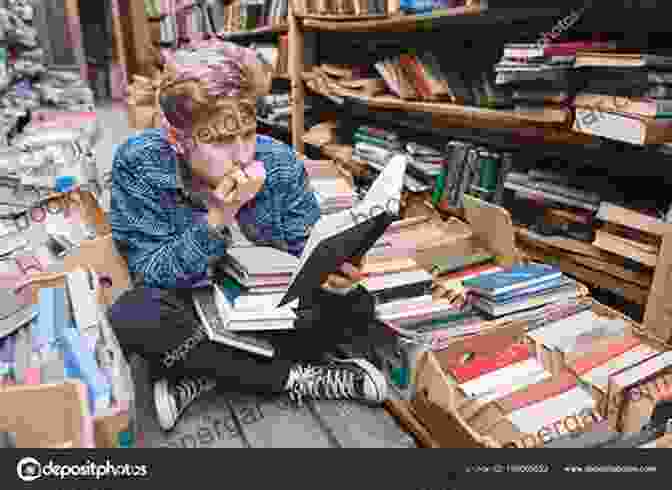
(275, 29)
(409, 23)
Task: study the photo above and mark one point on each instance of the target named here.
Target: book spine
(372, 140)
(402, 292)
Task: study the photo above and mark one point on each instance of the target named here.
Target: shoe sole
(165, 409)
(372, 371)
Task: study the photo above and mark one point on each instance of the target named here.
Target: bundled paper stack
(344, 81)
(519, 288)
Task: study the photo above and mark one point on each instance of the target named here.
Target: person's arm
(300, 209)
(143, 218)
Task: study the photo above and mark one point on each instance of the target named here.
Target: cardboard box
(46, 416)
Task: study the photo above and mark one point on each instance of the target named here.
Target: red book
(482, 365)
(594, 359)
(538, 392)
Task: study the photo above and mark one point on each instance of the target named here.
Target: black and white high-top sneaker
(172, 399)
(349, 379)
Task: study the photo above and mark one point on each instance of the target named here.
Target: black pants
(162, 327)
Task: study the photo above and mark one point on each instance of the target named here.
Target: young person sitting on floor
(175, 192)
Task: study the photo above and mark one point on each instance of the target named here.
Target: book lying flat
(14, 313)
(511, 279)
(527, 302)
(346, 236)
(544, 413)
(598, 375)
(216, 329)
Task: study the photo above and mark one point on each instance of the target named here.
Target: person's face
(224, 141)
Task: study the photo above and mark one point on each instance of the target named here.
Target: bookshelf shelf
(342, 17)
(276, 29)
(408, 23)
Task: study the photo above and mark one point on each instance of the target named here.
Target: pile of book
(259, 270)
(624, 96)
(64, 336)
(582, 366)
(539, 76)
(332, 186)
(274, 108)
(471, 169)
(616, 248)
(519, 288)
(342, 8)
(344, 80)
(549, 205)
(245, 15)
(415, 77)
(375, 146)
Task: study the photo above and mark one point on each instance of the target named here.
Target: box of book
(64, 425)
(595, 343)
(492, 390)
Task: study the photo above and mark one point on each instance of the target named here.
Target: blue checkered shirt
(160, 226)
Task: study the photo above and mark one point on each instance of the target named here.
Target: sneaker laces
(186, 391)
(318, 382)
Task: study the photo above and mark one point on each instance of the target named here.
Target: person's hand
(348, 275)
(233, 192)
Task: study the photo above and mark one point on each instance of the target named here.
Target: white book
(491, 383)
(554, 333)
(632, 376)
(389, 281)
(264, 260)
(532, 418)
(599, 377)
(260, 326)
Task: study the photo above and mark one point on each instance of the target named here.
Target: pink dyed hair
(192, 87)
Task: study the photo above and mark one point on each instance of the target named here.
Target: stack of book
(549, 205)
(344, 81)
(629, 234)
(539, 75)
(415, 77)
(260, 270)
(624, 96)
(519, 288)
(425, 163)
(253, 312)
(343, 7)
(375, 146)
(332, 187)
(245, 15)
(274, 108)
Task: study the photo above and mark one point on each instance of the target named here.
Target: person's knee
(140, 304)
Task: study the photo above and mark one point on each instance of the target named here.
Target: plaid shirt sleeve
(295, 204)
(143, 221)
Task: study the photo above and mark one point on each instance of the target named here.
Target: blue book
(539, 288)
(512, 279)
(80, 363)
(48, 328)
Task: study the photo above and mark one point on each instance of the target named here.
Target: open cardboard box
(453, 419)
(443, 408)
(101, 255)
(46, 416)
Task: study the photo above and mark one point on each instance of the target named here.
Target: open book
(341, 237)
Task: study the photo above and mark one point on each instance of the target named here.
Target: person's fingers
(224, 188)
(337, 281)
(352, 272)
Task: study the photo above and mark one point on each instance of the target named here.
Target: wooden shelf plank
(406, 23)
(276, 29)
